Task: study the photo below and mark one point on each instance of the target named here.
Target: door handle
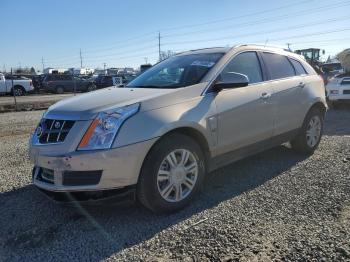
(265, 95)
(301, 85)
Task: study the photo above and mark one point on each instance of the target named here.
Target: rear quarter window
(278, 66)
(299, 69)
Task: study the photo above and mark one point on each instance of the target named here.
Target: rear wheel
(310, 134)
(172, 174)
(18, 91)
(91, 87)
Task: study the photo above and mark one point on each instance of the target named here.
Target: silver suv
(157, 138)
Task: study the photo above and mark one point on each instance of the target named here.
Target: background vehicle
(21, 85)
(60, 83)
(338, 89)
(103, 81)
(187, 115)
(330, 69)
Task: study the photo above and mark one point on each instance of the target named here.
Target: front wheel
(172, 174)
(310, 134)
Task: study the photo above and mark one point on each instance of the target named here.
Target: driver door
(245, 114)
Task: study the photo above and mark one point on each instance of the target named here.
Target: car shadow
(33, 226)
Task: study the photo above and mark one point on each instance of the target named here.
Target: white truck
(21, 86)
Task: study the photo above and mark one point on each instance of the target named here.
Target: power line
(236, 17)
(259, 33)
(123, 52)
(169, 29)
(265, 20)
(316, 33)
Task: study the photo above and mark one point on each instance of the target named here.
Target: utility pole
(159, 45)
(13, 90)
(81, 60)
(104, 66)
(288, 45)
(146, 60)
(42, 61)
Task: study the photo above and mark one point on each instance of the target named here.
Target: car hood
(86, 106)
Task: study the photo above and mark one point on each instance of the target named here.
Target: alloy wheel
(313, 132)
(177, 175)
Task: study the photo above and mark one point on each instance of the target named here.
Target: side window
(346, 81)
(278, 66)
(248, 64)
(299, 69)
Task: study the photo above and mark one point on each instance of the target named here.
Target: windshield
(177, 71)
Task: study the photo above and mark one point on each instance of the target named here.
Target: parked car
(338, 89)
(329, 70)
(21, 85)
(60, 83)
(184, 117)
(103, 81)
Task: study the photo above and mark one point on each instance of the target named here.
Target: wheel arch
(318, 105)
(191, 132)
(19, 86)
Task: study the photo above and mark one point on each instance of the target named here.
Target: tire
(176, 184)
(91, 88)
(19, 91)
(59, 90)
(310, 134)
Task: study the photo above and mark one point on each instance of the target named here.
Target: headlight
(334, 92)
(104, 128)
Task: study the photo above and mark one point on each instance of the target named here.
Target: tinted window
(278, 66)
(246, 63)
(299, 69)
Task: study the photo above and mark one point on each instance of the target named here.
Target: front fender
(157, 122)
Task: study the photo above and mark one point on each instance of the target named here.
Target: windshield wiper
(163, 87)
(150, 86)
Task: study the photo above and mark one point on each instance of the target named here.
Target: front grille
(346, 92)
(55, 131)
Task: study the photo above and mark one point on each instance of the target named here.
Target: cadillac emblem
(57, 125)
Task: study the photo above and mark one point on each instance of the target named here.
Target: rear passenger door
(287, 99)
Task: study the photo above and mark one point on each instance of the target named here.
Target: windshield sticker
(203, 63)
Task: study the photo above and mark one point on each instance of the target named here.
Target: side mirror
(230, 80)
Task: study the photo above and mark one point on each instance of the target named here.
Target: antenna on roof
(267, 40)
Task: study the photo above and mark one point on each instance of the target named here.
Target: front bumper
(118, 168)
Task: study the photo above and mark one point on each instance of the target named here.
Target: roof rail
(266, 45)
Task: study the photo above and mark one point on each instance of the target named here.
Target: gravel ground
(277, 205)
